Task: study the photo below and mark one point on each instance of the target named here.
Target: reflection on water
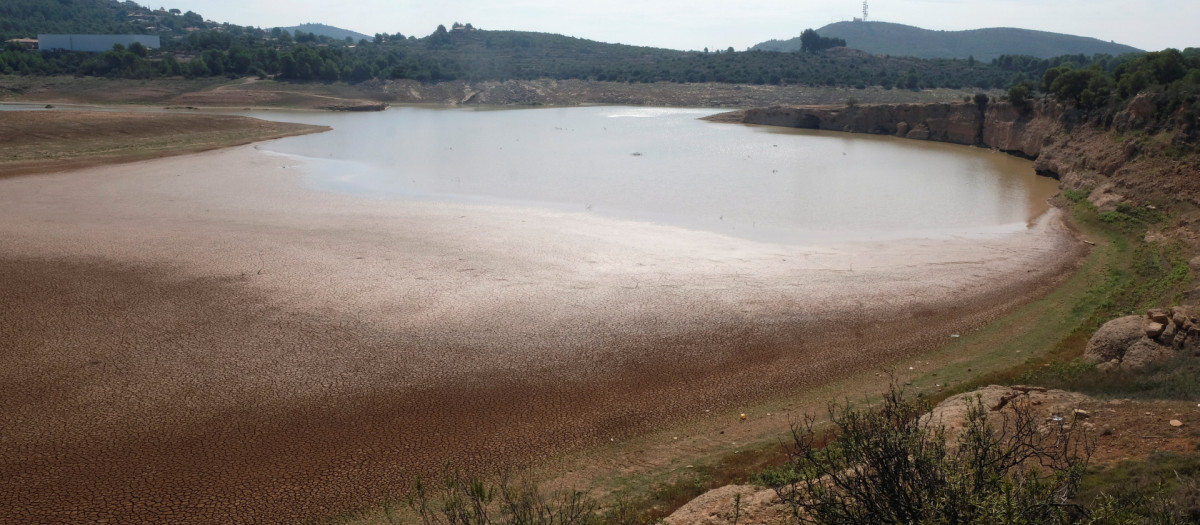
(664, 165)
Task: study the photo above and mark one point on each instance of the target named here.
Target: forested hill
(335, 33)
(27, 18)
(194, 47)
(884, 38)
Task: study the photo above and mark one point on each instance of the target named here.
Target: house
(28, 43)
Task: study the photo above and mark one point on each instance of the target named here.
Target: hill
(27, 18)
(884, 38)
(335, 33)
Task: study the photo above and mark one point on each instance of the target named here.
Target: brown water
(665, 166)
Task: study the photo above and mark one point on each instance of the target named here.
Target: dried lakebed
(209, 339)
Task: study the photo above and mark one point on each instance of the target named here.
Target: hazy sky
(696, 24)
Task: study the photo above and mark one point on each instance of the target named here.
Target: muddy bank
(202, 339)
(42, 141)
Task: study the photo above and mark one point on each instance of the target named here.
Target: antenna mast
(864, 10)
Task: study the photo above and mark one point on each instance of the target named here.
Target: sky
(694, 25)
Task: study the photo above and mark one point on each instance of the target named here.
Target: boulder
(1154, 329)
(1145, 351)
(1180, 339)
(1159, 316)
(1111, 340)
(1168, 334)
(758, 505)
(1179, 316)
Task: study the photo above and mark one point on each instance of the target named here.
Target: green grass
(1123, 275)
(1162, 488)
(1178, 379)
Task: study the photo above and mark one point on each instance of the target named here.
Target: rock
(1145, 351)
(1154, 329)
(1176, 423)
(952, 413)
(1168, 334)
(1081, 414)
(1180, 338)
(1179, 316)
(902, 129)
(920, 132)
(756, 505)
(1159, 315)
(1112, 339)
(1109, 365)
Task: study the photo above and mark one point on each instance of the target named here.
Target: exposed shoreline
(62, 140)
(206, 331)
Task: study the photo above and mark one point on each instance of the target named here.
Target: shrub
(888, 464)
(459, 498)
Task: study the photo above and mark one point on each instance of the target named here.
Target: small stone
(743, 416)
(1082, 414)
(1176, 423)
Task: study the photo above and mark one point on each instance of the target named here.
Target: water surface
(666, 166)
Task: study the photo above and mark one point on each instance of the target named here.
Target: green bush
(888, 464)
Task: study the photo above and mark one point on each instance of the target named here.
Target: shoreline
(40, 141)
(247, 338)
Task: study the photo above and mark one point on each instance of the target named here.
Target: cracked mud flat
(202, 339)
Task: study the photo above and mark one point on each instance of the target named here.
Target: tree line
(1169, 81)
(478, 55)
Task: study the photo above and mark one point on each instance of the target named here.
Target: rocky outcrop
(755, 505)
(1045, 403)
(957, 123)
(1135, 341)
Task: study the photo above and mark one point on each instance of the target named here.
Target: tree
(811, 42)
(193, 19)
(198, 68)
(138, 49)
(893, 464)
(1018, 95)
(1086, 88)
(981, 101)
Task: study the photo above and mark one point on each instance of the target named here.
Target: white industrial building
(94, 43)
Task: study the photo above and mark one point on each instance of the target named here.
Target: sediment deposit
(202, 339)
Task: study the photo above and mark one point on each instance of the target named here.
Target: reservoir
(665, 166)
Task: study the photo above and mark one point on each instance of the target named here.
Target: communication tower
(864, 10)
